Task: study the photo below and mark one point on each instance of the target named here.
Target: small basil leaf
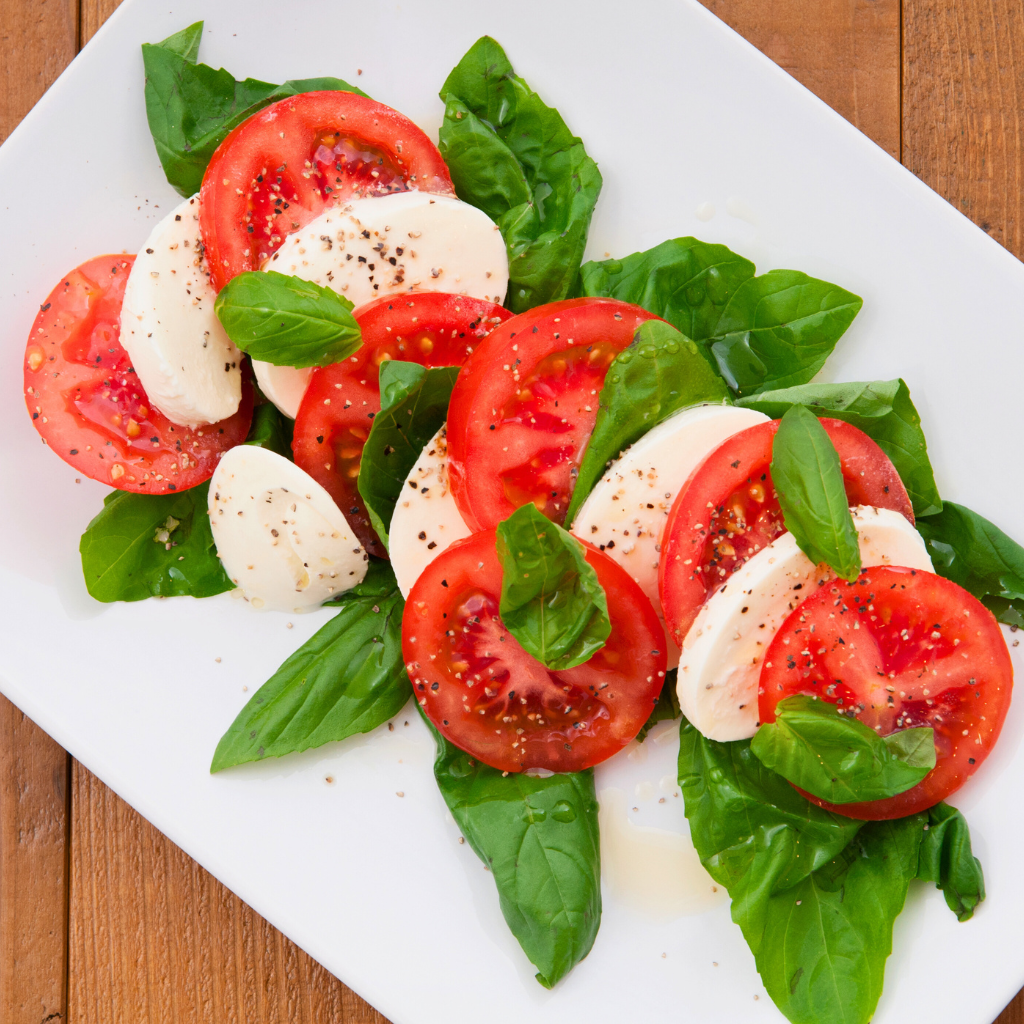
(152, 545)
(539, 838)
(685, 281)
(840, 759)
(271, 429)
(884, 411)
(348, 678)
(661, 372)
(809, 482)
(513, 157)
(191, 107)
(667, 707)
(414, 407)
(286, 321)
(974, 553)
(947, 860)
(551, 600)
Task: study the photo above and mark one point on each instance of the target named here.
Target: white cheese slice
(282, 539)
(387, 245)
(625, 513)
(720, 663)
(184, 359)
(426, 519)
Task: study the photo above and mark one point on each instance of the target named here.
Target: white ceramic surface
(683, 116)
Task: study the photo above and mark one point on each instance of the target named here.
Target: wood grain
(33, 875)
(92, 15)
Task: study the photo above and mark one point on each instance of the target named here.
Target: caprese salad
(552, 501)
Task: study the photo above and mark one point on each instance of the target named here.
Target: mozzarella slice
(625, 513)
(387, 245)
(426, 519)
(185, 361)
(720, 663)
(281, 537)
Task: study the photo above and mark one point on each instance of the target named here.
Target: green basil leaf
(513, 157)
(948, 861)
(191, 107)
(660, 373)
(974, 553)
(839, 759)
(539, 839)
(551, 600)
(271, 429)
(414, 404)
(884, 411)
(152, 545)
(348, 678)
(666, 709)
(286, 321)
(809, 482)
(685, 281)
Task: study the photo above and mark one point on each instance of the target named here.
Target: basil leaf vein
(287, 321)
(551, 600)
(809, 482)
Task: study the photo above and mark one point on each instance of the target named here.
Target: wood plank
(93, 14)
(33, 875)
(847, 52)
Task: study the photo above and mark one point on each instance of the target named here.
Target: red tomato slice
(430, 328)
(524, 408)
(86, 400)
(489, 697)
(898, 648)
(279, 169)
(728, 511)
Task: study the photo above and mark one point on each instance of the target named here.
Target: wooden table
(102, 919)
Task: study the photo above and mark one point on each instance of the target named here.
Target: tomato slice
(898, 649)
(337, 410)
(728, 511)
(88, 404)
(494, 700)
(277, 170)
(524, 408)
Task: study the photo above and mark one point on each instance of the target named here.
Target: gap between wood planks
(152, 937)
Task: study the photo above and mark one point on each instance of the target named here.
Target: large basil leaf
(666, 709)
(763, 332)
(809, 482)
(948, 861)
(191, 107)
(974, 553)
(551, 599)
(415, 406)
(152, 545)
(661, 372)
(883, 410)
(347, 678)
(513, 157)
(287, 321)
(539, 838)
(839, 759)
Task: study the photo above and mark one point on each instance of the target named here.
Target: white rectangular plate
(695, 133)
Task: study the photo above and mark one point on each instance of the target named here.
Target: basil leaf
(414, 407)
(685, 281)
(513, 157)
(271, 429)
(975, 554)
(763, 332)
(152, 545)
(551, 600)
(666, 709)
(287, 321)
(191, 107)
(348, 678)
(661, 372)
(539, 839)
(809, 482)
(840, 759)
(947, 859)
